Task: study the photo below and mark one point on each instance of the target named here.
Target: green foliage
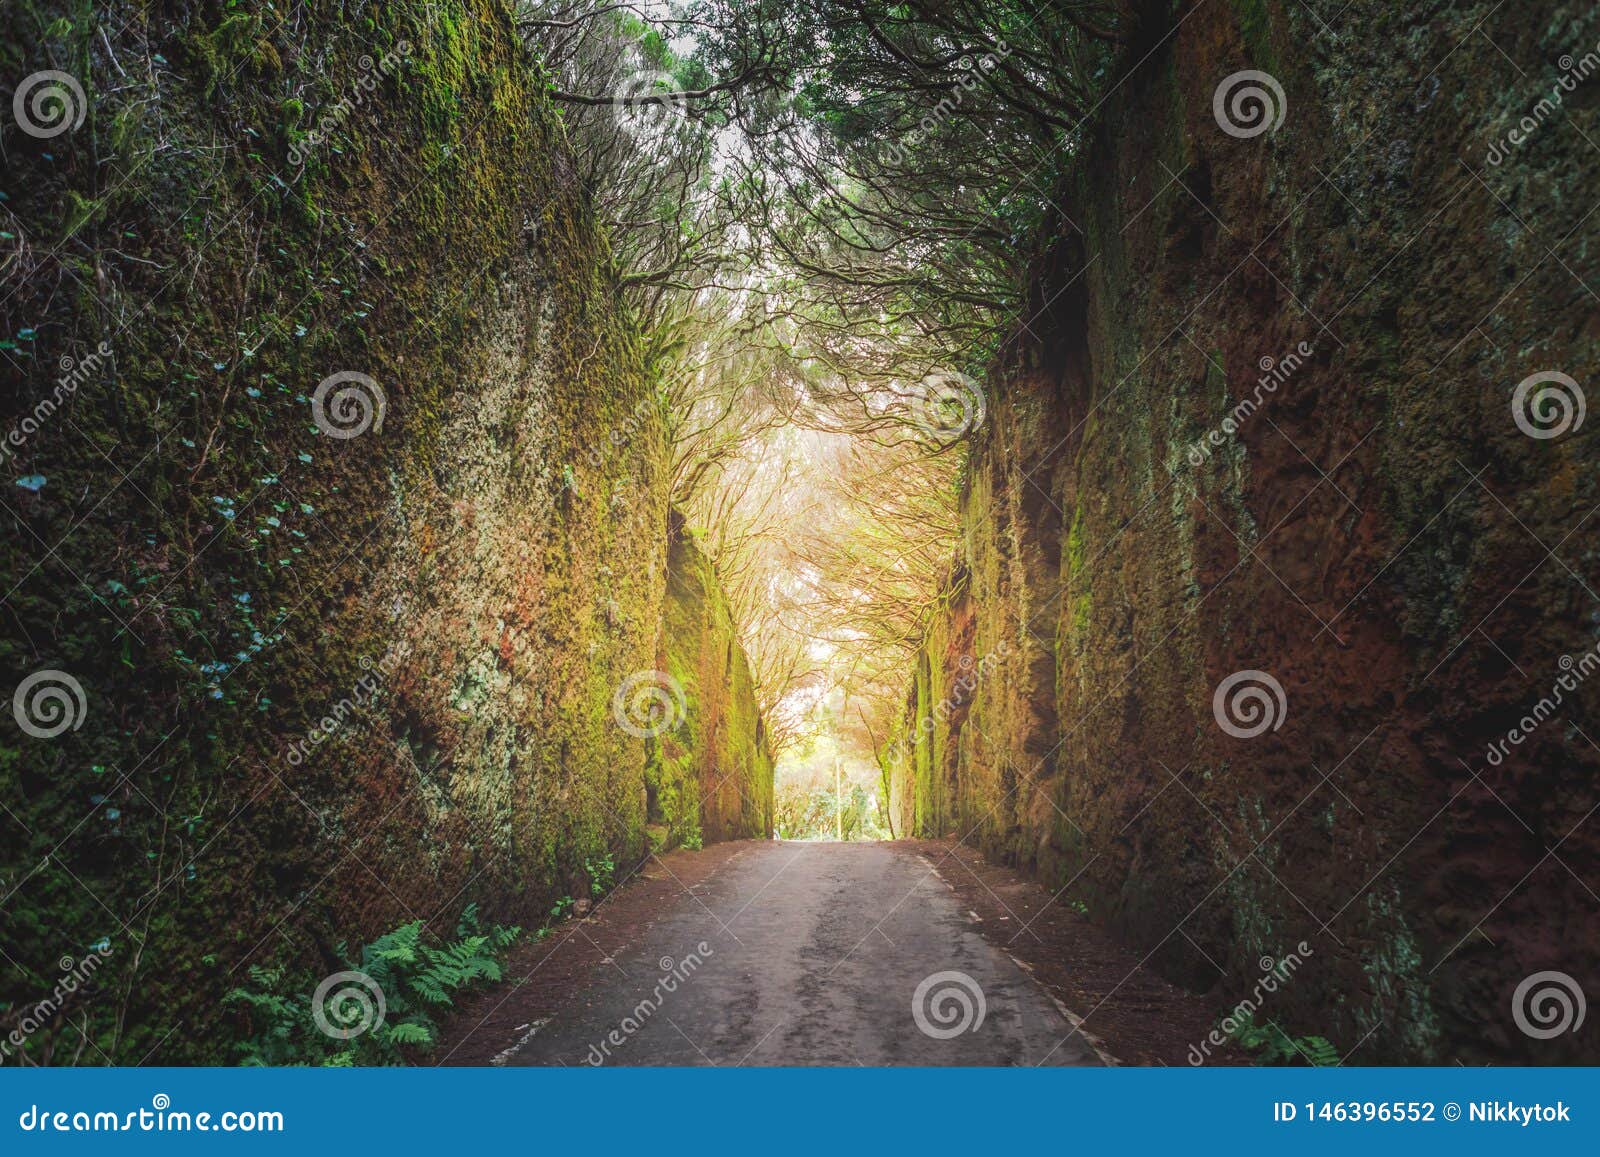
(720, 736)
(801, 813)
(416, 975)
(602, 874)
(1272, 1046)
(273, 1015)
(191, 613)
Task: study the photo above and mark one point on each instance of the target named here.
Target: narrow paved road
(811, 954)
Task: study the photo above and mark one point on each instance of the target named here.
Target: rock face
(709, 775)
(348, 650)
(1263, 431)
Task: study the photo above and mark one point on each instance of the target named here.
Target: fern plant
(417, 975)
(1272, 1046)
(274, 1015)
(1318, 1051)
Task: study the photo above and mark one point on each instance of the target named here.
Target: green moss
(1076, 553)
(1255, 25)
(251, 573)
(709, 775)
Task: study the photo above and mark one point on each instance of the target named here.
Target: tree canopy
(824, 217)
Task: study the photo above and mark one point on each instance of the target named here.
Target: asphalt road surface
(811, 954)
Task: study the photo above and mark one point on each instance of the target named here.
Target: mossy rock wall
(330, 684)
(1378, 534)
(709, 774)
